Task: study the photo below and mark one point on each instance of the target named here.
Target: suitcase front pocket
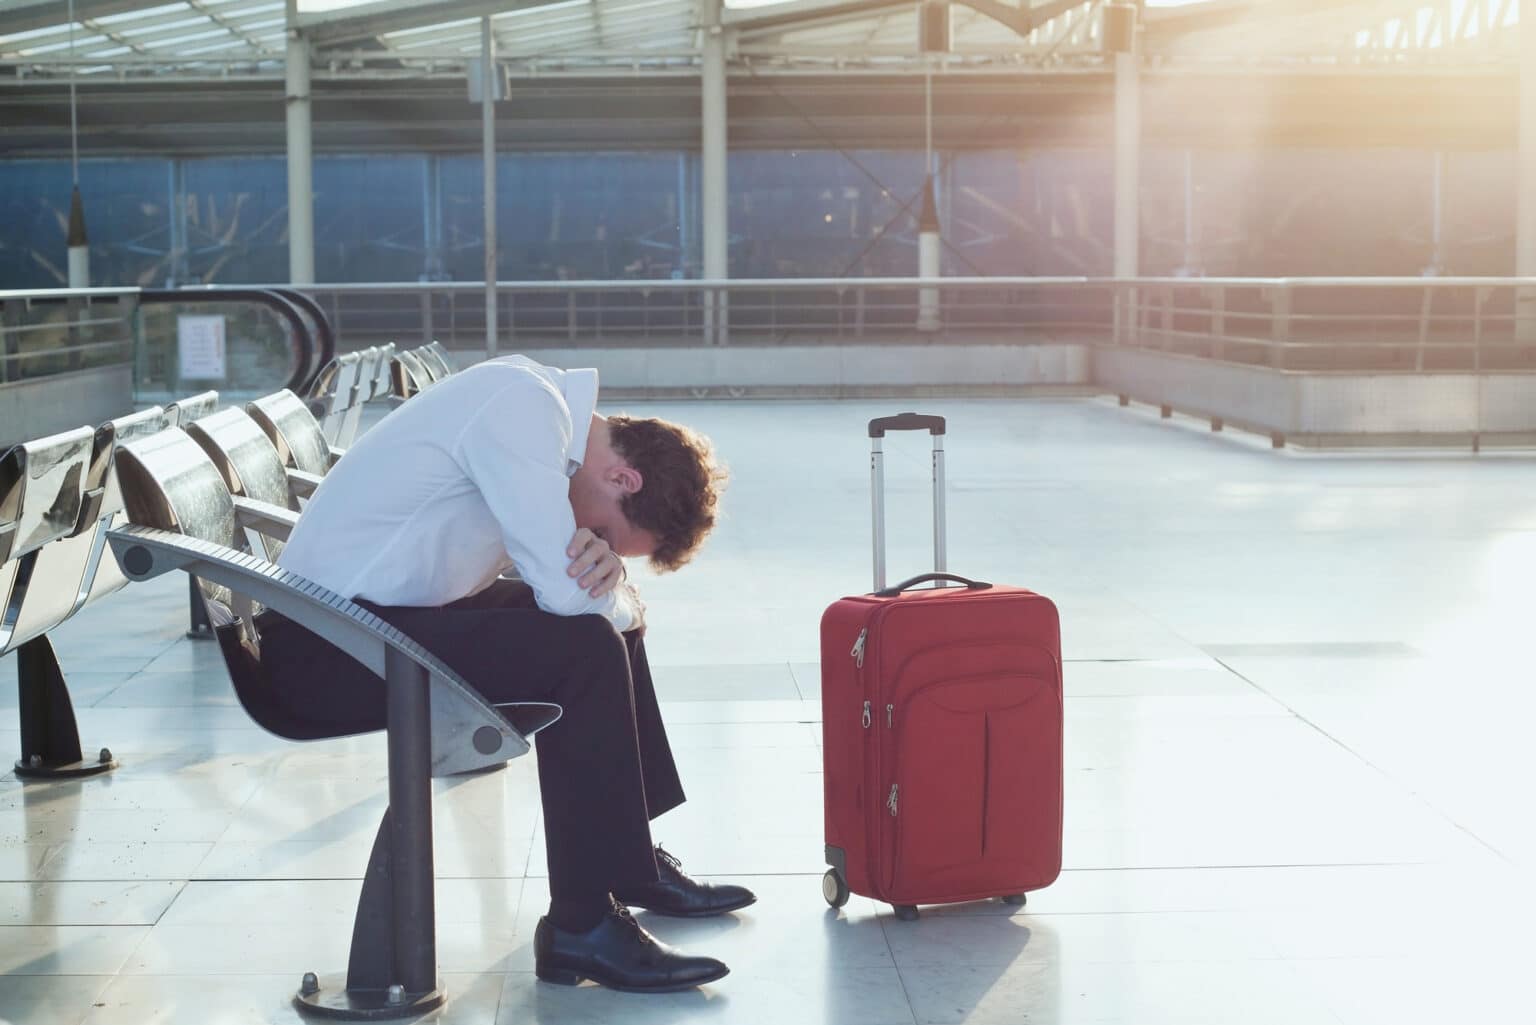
(971, 754)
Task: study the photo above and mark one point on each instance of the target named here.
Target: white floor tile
(89, 903)
(41, 1000)
(67, 949)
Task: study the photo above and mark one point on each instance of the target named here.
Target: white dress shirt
(466, 481)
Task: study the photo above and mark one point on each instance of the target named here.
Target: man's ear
(626, 477)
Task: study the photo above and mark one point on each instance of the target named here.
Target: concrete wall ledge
(826, 371)
(1336, 409)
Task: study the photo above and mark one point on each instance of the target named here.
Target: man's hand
(593, 563)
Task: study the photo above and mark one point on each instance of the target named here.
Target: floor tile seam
(906, 994)
(1059, 959)
(1415, 794)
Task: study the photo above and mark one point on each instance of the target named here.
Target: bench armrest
(468, 733)
(301, 484)
(265, 518)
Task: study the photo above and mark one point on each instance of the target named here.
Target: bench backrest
(184, 411)
(246, 458)
(381, 373)
(247, 462)
(102, 574)
(42, 496)
(362, 391)
(432, 358)
(343, 394)
(408, 375)
(293, 431)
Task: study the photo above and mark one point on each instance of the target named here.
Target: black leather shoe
(620, 954)
(677, 895)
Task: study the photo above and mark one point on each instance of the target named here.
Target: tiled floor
(1299, 697)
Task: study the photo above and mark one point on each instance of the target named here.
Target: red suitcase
(942, 729)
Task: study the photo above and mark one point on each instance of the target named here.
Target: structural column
(488, 159)
(1525, 185)
(301, 189)
(715, 210)
(1120, 44)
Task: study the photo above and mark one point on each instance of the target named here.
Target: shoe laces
(623, 913)
(670, 859)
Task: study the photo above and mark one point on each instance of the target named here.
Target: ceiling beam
(369, 21)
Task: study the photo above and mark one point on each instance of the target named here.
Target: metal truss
(391, 40)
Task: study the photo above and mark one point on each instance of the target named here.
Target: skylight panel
(147, 12)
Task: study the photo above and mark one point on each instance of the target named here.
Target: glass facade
(793, 213)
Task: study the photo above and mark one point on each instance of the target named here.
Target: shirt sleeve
(514, 450)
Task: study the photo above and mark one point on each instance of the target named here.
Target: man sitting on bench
(507, 466)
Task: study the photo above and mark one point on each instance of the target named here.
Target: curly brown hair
(681, 485)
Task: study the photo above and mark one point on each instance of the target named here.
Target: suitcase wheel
(834, 888)
(905, 912)
(1016, 899)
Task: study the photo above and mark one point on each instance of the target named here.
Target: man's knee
(596, 646)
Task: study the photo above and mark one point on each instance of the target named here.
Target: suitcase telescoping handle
(934, 425)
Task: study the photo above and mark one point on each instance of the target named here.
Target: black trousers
(605, 768)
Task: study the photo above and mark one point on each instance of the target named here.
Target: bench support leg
(392, 971)
(50, 740)
(198, 627)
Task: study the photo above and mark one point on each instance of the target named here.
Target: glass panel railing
(85, 355)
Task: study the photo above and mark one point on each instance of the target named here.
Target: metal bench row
(215, 493)
(350, 381)
(58, 497)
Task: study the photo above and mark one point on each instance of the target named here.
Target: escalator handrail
(325, 337)
(304, 341)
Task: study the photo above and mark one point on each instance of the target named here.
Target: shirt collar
(580, 390)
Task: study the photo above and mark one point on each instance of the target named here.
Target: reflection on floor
(1298, 697)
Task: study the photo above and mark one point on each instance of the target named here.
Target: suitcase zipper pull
(890, 802)
(858, 648)
(890, 716)
(866, 715)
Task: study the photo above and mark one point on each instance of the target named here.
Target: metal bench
(193, 406)
(297, 437)
(435, 358)
(362, 392)
(184, 518)
(51, 492)
(409, 375)
(253, 472)
(333, 393)
(53, 573)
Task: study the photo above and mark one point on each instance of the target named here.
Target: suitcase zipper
(866, 715)
(858, 649)
(890, 717)
(890, 802)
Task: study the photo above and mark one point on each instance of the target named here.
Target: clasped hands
(595, 566)
(598, 568)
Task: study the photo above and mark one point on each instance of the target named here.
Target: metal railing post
(1425, 302)
(1280, 323)
(1479, 297)
(1218, 321)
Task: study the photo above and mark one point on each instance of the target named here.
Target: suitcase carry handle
(891, 592)
(934, 425)
(906, 422)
